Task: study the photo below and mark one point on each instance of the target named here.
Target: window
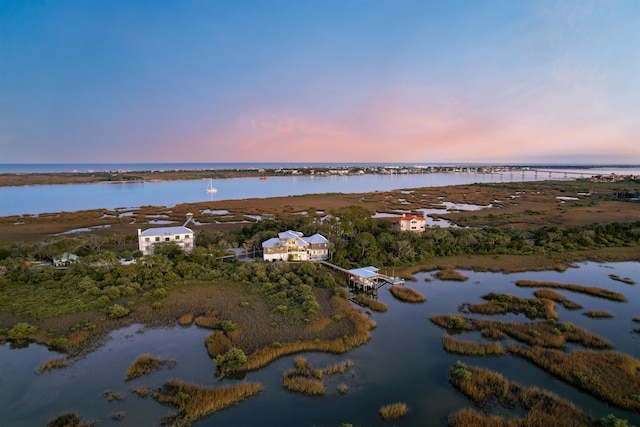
(186, 236)
(146, 239)
(157, 239)
(167, 239)
(177, 237)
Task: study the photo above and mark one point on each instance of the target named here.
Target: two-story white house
(416, 224)
(180, 235)
(293, 246)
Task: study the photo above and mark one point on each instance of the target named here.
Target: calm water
(404, 361)
(36, 199)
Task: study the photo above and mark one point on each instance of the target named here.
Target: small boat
(211, 188)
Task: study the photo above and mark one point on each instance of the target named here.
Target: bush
(117, 311)
(231, 360)
(21, 331)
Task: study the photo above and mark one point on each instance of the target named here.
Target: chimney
(189, 219)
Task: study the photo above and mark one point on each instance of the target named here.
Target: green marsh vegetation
(506, 303)
(588, 290)
(610, 376)
(194, 402)
(407, 294)
(373, 304)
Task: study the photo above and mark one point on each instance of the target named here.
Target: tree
(231, 360)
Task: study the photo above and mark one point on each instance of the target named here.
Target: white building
(181, 236)
(413, 223)
(293, 246)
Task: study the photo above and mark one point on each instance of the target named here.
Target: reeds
(407, 294)
(598, 314)
(217, 342)
(195, 402)
(449, 273)
(140, 391)
(393, 411)
(69, 420)
(144, 365)
(554, 296)
(374, 305)
(626, 280)
(610, 376)
(589, 290)
(506, 303)
(307, 379)
(469, 348)
(186, 319)
(51, 364)
(342, 388)
(113, 395)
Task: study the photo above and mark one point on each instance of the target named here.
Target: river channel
(404, 361)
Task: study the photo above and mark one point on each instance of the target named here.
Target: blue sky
(306, 81)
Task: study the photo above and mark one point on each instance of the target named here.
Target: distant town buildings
(412, 223)
(293, 246)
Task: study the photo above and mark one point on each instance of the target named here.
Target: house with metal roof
(293, 246)
(412, 223)
(180, 235)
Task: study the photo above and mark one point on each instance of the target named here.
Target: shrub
(117, 311)
(21, 331)
(231, 360)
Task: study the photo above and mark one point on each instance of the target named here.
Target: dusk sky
(491, 81)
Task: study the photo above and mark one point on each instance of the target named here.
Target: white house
(181, 236)
(293, 246)
(413, 223)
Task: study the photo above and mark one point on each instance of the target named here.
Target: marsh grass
(195, 402)
(51, 364)
(486, 387)
(70, 420)
(546, 334)
(374, 305)
(588, 290)
(217, 342)
(506, 303)
(469, 348)
(559, 298)
(140, 391)
(393, 411)
(113, 395)
(407, 294)
(342, 388)
(144, 365)
(610, 376)
(306, 379)
(450, 274)
(626, 280)
(598, 314)
(186, 319)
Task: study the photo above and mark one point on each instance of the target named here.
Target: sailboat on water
(211, 188)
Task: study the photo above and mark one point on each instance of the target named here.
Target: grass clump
(307, 379)
(449, 273)
(598, 314)
(195, 402)
(144, 365)
(141, 391)
(374, 305)
(69, 420)
(217, 342)
(407, 294)
(588, 290)
(626, 280)
(485, 387)
(469, 348)
(393, 411)
(610, 376)
(505, 303)
(113, 395)
(186, 319)
(559, 298)
(342, 388)
(51, 364)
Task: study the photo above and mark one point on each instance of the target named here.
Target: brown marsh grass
(484, 386)
(505, 303)
(69, 420)
(589, 290)
(144, 365)
(51, 364)
(407, 294)
(393, 411)
(195, 402)
(186, 319)
(217, 342)
(113, 395)
(374, 305)
(546, 334)
(307, 379)
(342, 388)
(554, 296)
(469, 348)
(626, 280)
(360, 326)
(598, 314)
(610, 376)
(449, 273)
(140, 391)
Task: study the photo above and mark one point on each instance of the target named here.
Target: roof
(411, 217)
(274, 241)
(289, 234)
(166, 231)
(366, 272)
(316, 238)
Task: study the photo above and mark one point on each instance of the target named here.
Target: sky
(491, 81)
